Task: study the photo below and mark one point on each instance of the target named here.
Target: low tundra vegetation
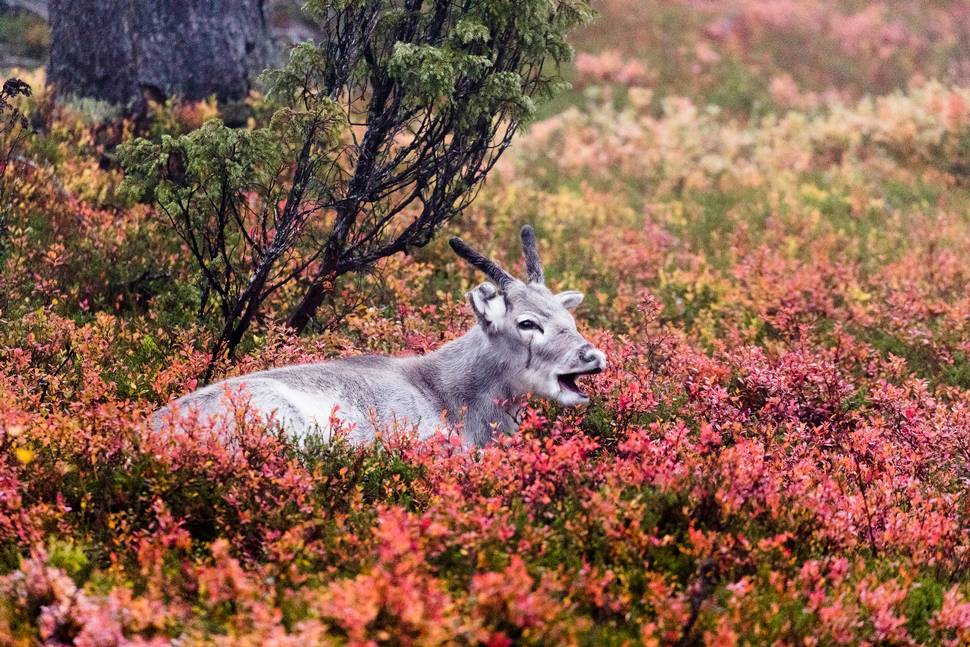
(778, 453)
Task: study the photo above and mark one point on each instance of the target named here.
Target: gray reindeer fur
(525, 341)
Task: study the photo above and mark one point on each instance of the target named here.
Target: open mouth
(567, 381)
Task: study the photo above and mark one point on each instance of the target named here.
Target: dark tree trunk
(306, 310)
(122, 51)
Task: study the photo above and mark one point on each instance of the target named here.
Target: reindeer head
(531, 328)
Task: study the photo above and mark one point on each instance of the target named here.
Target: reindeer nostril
(589, 354)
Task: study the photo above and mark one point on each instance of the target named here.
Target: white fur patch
(315, 409)
(488, 304)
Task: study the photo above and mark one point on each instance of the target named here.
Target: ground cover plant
(778, 453)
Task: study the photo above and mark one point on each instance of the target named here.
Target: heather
(763, 55)
(778, 453)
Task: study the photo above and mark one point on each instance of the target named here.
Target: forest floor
(767, 205)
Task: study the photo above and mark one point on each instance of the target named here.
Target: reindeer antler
(488, 266)
(533, 264)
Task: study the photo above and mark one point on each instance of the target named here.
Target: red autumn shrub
(777, 453)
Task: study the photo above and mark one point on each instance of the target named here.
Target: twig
(705, 586)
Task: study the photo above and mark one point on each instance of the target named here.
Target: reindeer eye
(528, 324)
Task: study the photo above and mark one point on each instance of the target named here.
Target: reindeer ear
(570, 299)
(488, 305)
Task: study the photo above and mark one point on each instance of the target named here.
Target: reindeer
(525, 342)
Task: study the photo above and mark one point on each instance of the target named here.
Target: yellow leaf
(858, 294)
(24, 455)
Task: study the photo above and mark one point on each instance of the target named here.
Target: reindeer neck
(469, 379)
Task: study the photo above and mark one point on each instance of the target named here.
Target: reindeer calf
(525, 342)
